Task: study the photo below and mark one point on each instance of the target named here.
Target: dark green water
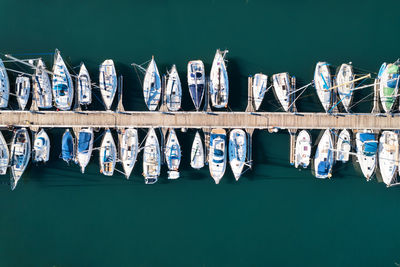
(275, 215)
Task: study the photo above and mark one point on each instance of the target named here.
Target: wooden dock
(182, 119)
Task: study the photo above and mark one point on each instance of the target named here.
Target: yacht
(67, 147)
(217, 154)
(63, 88)
(20, 155)
(237, 151)
(323, 83)
(4, 155)
(152, 86)
(173, 91)
(85, 147)
(323, 160)
(151, 158)
(22, 90)
(388, 156)
(84, 86)
(41, 147)
(41, 85)
(283, 90)
(196, 81)
(197, 153)
(259, 88)
(173, 155)
(345, 85)
(303, 149)
(366, 146)
(108, 154)
(343, 146)
(128, 150)
(108, 82)
(388, 85)
(219, 83)
(4, 86)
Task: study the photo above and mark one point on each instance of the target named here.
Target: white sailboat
(343, 146)
(108, 154)
(173, 155)
(4, 86)
(345, 86)
(283, 90)
(323, 160)
(389, 76)
(20, 155)
(63, 88)
(108, 82)
(237, 151)
(219, 83)
(388, 155)
(42, 92)
(41, 147)
(85, 147)
(197, 153)
(323, 83)
(259, 87)
(217, 154)
(303, 149)
(173, 92)
(151, 158)
(4, 155)
(366, 146)
(196, 81)
(84, 86)
(152, 86)
(128, 150)
(22, 90)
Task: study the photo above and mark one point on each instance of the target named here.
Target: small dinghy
(388, 85)
(388, 154)
(217, 154)
(128, 150)
(173, 92)
(283, 90)
(108, 154)
(343, 146)
(152, 86)
(237, 151)
(84, 86)
(197, 153)
(63, 88)
(323, 83)
(4, 155)
(219, 84)
(42, 92)
(4, 86)
(20, 155)
(173, 155)
(367, 147)
(85, 147)
(345, 86)
(67, 147)
(303, 149)
(151, 158)
(41, 147)
(259, 88)
(108, 82)
(196, 81)
(22, 90)
(323, 161)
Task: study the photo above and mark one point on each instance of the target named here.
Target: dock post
(163, 107)
(250, 97)
(120, 106)
(249, 132)
(292, 134)
(376, 107)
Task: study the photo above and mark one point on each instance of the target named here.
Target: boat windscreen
(62, 88)
(84, 141)
(218, 152)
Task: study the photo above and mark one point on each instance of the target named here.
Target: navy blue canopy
(84, 141)
(67, 146)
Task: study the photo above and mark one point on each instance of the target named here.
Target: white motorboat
(173, 92)
(22, 90)
(323, 160)
(237, 151)
(128, 150)
(84, 86)
(173, 155)
(63, 88)
(388, 156)
(259, 87)
(343, 146)
(345, 85)
(108, 154)
(20, 155)
(85, 147)
(41, 147)
(303, 149)
(4, 155)
(388, 85)
(41, 85)
(217, 154)
(196, 81)
(197, 153)
(151, 158)
(366, 146)
(283, 90)
(4, 86)
(219, 83)
(108, 82)
(323, 83)
(152, 86)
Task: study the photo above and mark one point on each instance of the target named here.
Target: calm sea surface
(275, 215)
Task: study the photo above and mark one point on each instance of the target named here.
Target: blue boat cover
(367, 137)
(84, 141)
(67, 147)
(393, 81)
(323, 167)
(370, 147)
